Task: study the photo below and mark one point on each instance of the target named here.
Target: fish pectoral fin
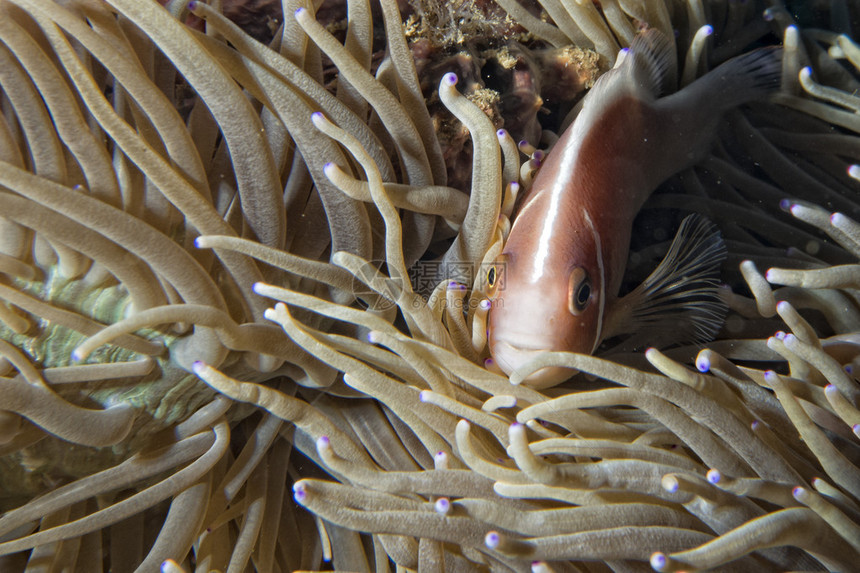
(680, 301)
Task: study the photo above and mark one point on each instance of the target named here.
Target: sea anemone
(243, 307)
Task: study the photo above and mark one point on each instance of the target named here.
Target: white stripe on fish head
(601, 300)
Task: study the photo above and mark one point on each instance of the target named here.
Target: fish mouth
(511, 357)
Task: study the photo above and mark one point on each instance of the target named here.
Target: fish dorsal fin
(651, 62)
(680, 300)
(745, 78)
(645, 69)
(641, 73)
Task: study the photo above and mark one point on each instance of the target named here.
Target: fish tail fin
(749, 77)
(680, 301)
(652, 62)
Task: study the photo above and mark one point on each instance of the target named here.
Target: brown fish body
(562, 265)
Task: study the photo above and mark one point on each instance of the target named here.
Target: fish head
(559, 309)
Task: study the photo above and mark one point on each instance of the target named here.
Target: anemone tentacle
(233, 272)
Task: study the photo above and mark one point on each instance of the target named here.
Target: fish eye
(579, 291)
(491, 276)
(495, 276)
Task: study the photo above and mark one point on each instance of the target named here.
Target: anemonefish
(555, 286)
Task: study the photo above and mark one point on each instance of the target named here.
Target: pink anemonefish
(555, 286)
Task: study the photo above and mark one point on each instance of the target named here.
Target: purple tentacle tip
(492, 539)
(786, 204)
(714, 476)
(300, 493)
(192, 5)
(300, 10)
(501, 133)
(703, 364)
(197, 366)
(659, 561)
(450, 79)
